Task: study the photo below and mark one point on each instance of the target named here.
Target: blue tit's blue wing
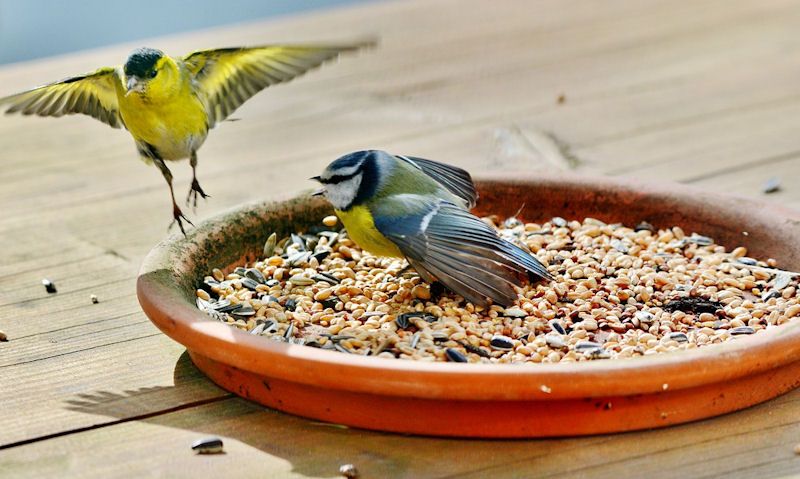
(454, 179)
(444, 242)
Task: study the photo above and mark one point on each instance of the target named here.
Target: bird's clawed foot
(194, 191)
(178, 217)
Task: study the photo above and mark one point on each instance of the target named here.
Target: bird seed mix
(619, 292)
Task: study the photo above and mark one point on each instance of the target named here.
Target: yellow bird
(169, 104)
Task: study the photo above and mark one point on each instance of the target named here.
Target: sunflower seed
(299, 242)
(330, 303)
(747, 261)
(342, 349)
(619, 246)
(269, 245)
(415, 339)
(439, 336)
(455, 355)
(782, 280)
(596, 353)
(244, 311)
(582, 346)
(270, 326)
(299, 258)
(556, 326)
(644, 226)
(644, 316)
(267, 298)
(403, 321)
(501, 343)
(321, 255)
(203, 305)
(258, 329)
(289, 331)
(700, 240)
(475, 349)
(291, 305)
(256, 276)
(250, 284)
(49, 286)
(208, 445)
(679, 337)
(240, 271)
(742, 330)
(327, 277)
(767, 295)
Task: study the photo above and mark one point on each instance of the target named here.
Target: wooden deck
(704, 92)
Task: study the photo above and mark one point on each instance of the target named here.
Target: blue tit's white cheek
(342, 194)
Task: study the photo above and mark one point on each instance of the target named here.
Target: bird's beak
(315, 178)
(318, 192)
(134, 85)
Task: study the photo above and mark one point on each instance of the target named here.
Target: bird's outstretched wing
(453, 246)
(92, 94)
(454, 179)
(228, 77)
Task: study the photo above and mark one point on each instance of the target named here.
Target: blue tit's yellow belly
(175, 128)
(361, 229)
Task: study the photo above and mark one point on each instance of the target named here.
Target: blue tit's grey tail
(453, 246)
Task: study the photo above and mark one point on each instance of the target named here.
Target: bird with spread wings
(169, 104)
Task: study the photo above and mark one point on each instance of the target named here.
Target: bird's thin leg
(195, 188)
(177, 214)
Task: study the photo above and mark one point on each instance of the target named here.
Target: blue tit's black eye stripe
(338, 178)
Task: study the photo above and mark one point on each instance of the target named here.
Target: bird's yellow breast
(175, 127)
(361, 228)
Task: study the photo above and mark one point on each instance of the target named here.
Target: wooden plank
(142, 372)
(263, 443)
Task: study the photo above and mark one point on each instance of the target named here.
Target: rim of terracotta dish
(172, 309)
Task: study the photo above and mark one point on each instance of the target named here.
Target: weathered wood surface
(702, 92)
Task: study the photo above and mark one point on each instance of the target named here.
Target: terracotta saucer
(478, 400)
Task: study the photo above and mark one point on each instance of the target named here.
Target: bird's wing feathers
(454, 179)
(92, 94)
(228, 77)
(458, 249)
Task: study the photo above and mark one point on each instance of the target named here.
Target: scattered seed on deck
(349, 471)
(94, 299)
(3, 337)
(771, 185)
(208, 445)
(49, 286)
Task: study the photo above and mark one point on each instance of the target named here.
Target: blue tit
(418, 209)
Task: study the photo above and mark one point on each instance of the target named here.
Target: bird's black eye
(153, 73)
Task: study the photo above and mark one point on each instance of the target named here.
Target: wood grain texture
(701, 92)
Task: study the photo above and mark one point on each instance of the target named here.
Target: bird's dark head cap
(142, 61)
